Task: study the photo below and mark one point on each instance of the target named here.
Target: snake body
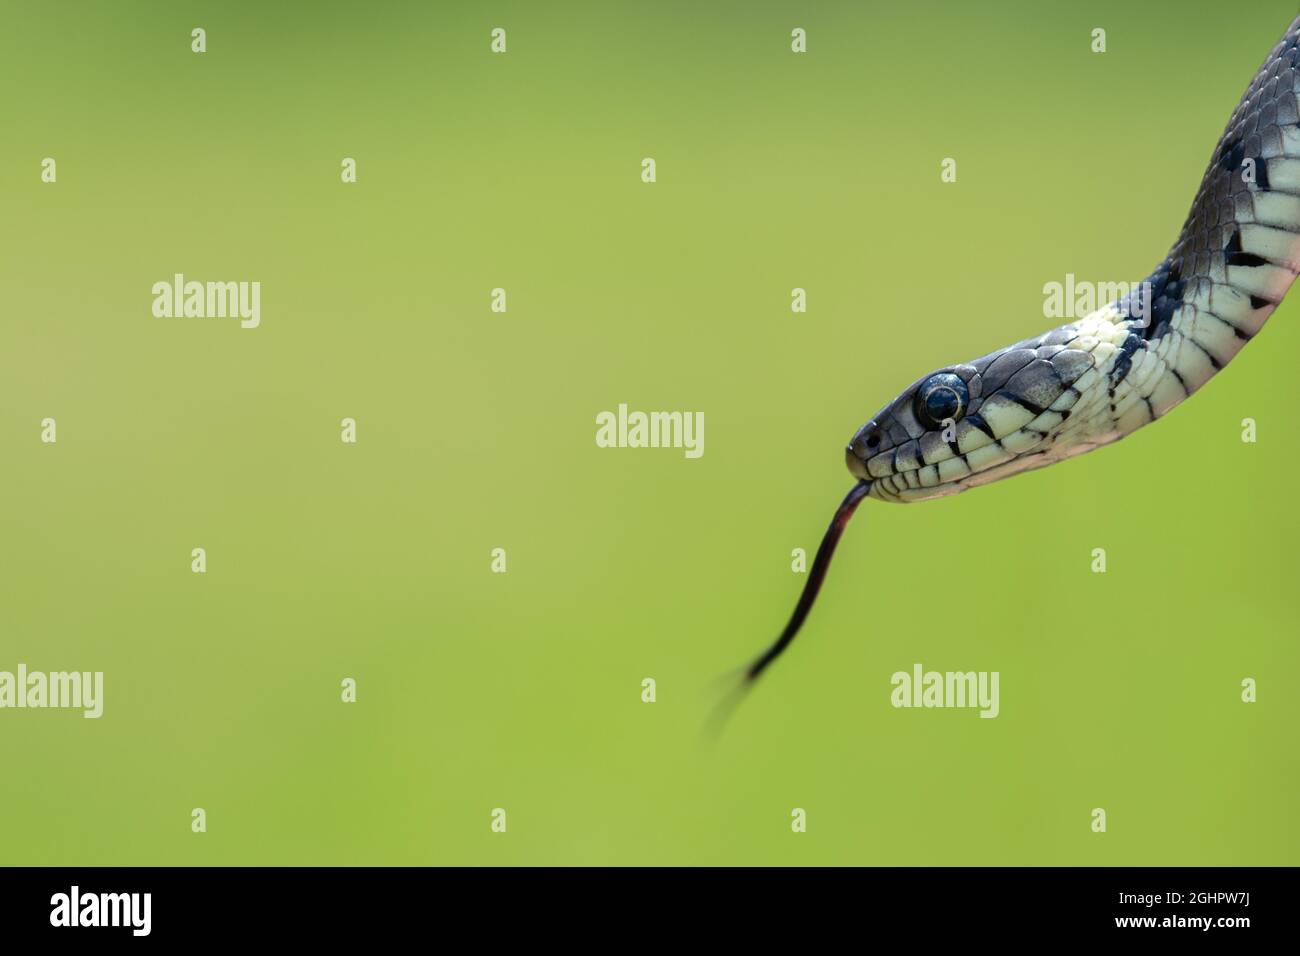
(1100, 378)
(1095, 380)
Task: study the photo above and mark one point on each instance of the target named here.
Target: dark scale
(1166, 295)
(977, 421)
(1233, 256)
(1231, 153)
(1261, 172)
(1124, 362)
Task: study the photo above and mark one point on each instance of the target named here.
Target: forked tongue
(821, 563)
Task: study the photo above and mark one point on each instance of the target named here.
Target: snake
(1098, 379)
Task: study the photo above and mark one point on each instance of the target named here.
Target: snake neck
(1235, 259)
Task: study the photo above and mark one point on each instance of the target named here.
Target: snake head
(967, 425)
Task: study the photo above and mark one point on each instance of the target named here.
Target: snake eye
(940, 397)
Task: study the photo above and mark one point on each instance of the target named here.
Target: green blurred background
(476, 431)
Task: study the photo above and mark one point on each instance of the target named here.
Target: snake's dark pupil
(941, 397)
(942, 403)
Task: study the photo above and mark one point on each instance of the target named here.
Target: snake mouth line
(816, 575)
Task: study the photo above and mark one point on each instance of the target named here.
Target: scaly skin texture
(1100, 378)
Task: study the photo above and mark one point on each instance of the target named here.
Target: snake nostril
(873, 440)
